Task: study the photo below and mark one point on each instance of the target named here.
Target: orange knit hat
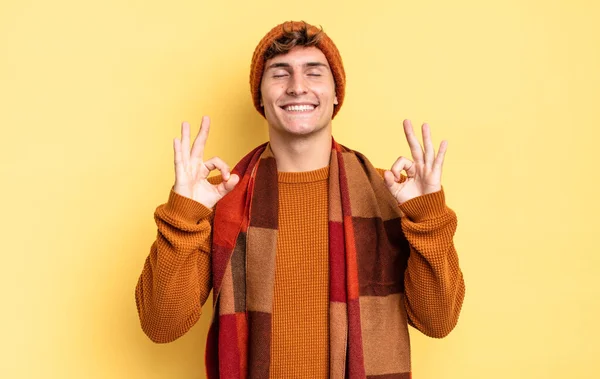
(325, 44)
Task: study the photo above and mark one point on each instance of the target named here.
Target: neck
(301, 153)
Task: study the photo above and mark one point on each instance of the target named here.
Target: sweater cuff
(184, 208)
(425, 207)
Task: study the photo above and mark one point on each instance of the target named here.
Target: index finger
(413, 142)
(200, 141)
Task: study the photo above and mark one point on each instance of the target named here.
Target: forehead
(298, 56)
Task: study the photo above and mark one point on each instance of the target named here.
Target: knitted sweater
(176, 278)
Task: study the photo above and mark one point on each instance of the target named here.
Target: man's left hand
(423, 173)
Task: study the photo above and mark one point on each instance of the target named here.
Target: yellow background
(93, 92)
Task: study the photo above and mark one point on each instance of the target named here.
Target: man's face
(298, 91)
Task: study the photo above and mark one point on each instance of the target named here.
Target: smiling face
(298, 92)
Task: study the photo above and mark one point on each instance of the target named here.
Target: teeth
(299, 108)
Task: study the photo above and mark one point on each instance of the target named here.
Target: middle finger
(413, 142)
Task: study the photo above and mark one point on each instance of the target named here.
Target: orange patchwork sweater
(176, 278)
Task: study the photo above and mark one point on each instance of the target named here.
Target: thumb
(229, 185)
(389, 179)
(391, 183)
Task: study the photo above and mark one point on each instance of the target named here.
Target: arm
(433, 282)
(176, 278)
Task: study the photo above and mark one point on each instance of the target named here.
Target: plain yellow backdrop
(92, 94)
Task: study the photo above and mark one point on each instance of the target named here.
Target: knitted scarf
(367, 258)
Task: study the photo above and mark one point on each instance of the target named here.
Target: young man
(318, 261)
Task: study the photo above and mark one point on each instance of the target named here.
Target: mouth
(299, 108)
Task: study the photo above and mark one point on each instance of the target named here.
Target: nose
(297, 85)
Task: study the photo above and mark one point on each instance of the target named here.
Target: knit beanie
(325, 44)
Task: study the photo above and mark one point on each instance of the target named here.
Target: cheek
(326, 95)
(327, 91)
(271, 94)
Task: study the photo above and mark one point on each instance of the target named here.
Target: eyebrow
(287, 65)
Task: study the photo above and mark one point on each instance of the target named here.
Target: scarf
(367, 257)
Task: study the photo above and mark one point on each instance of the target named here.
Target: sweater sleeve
(176, 278)
(433, 281)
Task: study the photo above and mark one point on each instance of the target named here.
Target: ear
(335, 101)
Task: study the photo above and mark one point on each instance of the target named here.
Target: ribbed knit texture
(300, 338)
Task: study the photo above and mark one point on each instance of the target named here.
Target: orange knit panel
(300, 338)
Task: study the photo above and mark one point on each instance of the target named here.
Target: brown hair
(305, 36)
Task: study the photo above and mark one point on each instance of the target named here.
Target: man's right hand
(191, 170)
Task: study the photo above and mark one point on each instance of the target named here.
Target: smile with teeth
(299, 108)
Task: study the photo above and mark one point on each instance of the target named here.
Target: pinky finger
(439, 159)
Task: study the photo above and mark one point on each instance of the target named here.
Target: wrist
(425, 207)
(186, 208)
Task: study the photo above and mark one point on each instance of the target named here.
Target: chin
(294, 130)
(301, 129)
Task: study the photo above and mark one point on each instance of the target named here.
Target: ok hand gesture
(191, 171)
(424, 173)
